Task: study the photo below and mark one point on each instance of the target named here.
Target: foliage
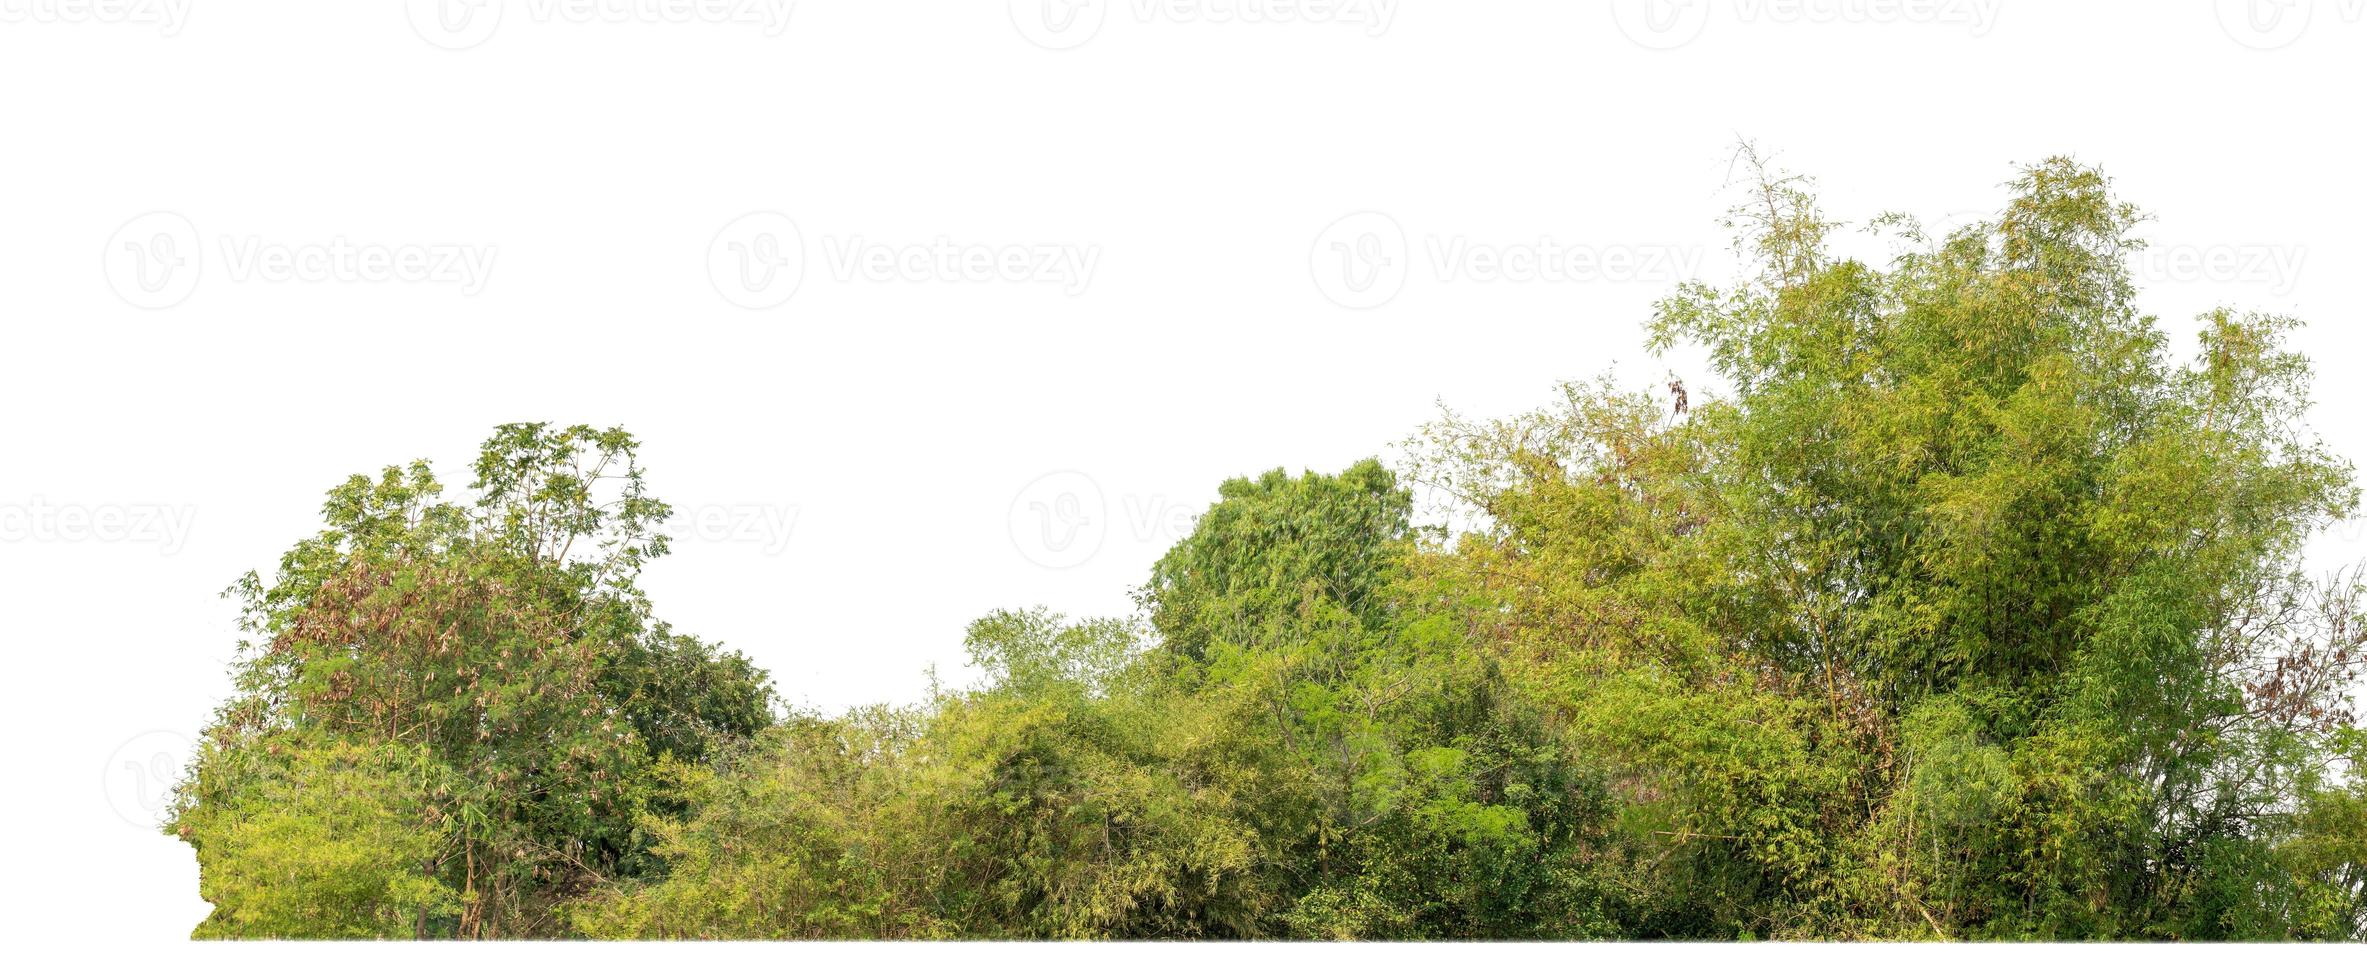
(1955, 606)
(1968, 614)
(1056, 800)
(329, 841)
(488, 640)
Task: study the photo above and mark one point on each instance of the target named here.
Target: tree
(506, 642)
(1967, 614)
(1400, 785)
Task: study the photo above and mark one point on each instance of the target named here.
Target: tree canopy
(1955, 605)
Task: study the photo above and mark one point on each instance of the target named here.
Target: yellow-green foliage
(330, 841)
(1055, 801)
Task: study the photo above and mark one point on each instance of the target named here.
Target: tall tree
(1967, 613)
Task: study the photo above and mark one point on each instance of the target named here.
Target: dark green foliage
(1270, 545)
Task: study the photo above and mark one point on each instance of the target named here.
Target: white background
(869, 460)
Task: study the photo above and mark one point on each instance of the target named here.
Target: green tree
(1967, 614)
(506, 641)
(1401, 785)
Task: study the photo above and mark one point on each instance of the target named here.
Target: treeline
(1961, 611)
